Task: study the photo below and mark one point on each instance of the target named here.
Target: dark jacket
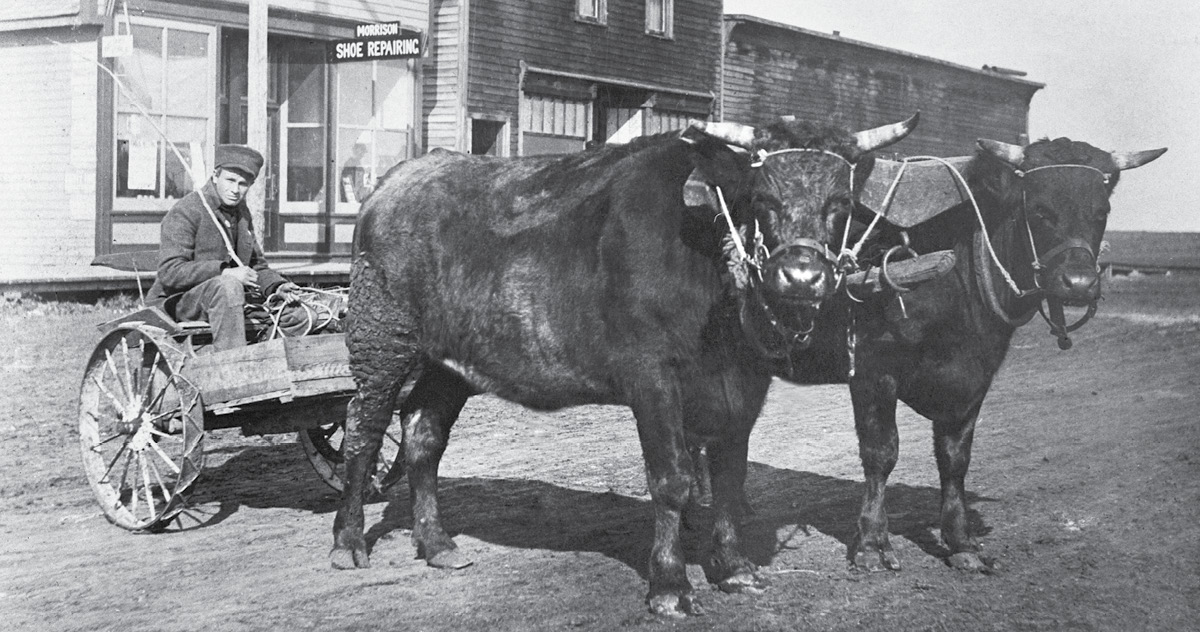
(191, 250)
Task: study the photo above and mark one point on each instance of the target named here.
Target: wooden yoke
(926, 189)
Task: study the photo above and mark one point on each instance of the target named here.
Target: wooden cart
(153, 388)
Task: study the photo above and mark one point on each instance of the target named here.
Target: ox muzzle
(797, 277)
(1069, 274)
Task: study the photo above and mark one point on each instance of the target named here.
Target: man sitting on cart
(208, 258)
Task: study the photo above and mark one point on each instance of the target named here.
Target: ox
(555, 281)
(938, 346)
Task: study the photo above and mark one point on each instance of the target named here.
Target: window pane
(137, 128)
(655, 15)
(178, 181)
(306, 88)
(394, 94)
(137, 156)
(390, 148)
(305, 157)
(187, 73)
(355, 96)
(588, 8)
(141, 72)
(189, 136)
(137, 169)
(354, 164)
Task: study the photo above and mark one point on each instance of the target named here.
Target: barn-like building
(771, 69)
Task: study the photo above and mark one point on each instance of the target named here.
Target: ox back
(545, 280)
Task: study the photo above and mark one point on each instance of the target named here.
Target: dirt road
(1085, 487)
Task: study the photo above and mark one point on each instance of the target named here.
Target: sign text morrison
(385, 40)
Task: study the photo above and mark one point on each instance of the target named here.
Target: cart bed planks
(283, 369)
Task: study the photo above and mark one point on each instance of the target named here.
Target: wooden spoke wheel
(141, 429)
(323, 447)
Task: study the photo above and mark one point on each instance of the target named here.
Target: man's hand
(247, 275)
(290, 292)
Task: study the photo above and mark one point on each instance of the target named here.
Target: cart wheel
(323, 447)
(141, 429)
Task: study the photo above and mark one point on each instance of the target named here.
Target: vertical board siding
(546, 35)
(772, 71)
(48, 167)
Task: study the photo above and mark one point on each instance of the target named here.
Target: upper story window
(592, 11)
(659, 17)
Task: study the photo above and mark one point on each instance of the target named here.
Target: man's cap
(239, 158)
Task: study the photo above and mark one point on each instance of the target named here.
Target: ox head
(803, 176)
(1062, 188)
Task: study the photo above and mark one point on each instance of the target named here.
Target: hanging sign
(385, 40)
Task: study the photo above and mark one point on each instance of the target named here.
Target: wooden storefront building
(86, 173)
(771, 69)
(515, 77)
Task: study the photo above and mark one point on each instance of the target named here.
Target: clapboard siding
(772, 69)
(48, 167)
(546, 35)
(442, 101)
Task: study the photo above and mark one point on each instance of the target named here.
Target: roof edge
(752, 19)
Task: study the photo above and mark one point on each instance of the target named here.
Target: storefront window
(170, 76)
(304, 153)
(375, 116)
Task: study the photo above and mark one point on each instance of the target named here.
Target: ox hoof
(876, 561)
(450, 559)
(349, 559)
(968, 561)
(676, 606)
(746, 583)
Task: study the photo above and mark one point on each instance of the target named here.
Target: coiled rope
(312, 310)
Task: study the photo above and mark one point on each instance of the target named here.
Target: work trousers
(221, 301)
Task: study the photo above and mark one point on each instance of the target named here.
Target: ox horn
(732, 133)
(1134, 159)
(876, 138)
(1011, 154)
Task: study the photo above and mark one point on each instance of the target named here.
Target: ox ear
(1135, 159)
(698, 193)
(720, 159)
(1014, 155)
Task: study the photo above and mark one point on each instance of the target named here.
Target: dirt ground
(1085, 489)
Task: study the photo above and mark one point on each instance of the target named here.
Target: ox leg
(952, 440)
(429, 413)
(669, 477)
(732, 571)
(382, 356)
(367, 417)
(874, 399)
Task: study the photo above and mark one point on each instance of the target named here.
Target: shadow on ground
(533, 514)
